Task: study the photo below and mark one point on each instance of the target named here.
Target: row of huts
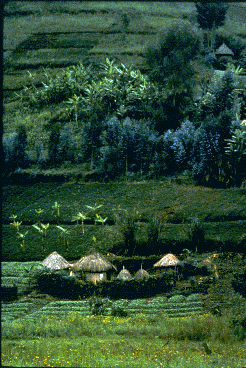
(95, 267)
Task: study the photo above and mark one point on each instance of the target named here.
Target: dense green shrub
(169, 59)
(57, 283)
(239, 283)
(14, 151)
(238, 326)
(127, 147)
(66, 146)
(196, 234)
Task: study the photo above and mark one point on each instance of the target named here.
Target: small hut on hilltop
(124, 275)
(95, 267)
(224, 51)
(141, 274)
(169, 261)
(56, 262)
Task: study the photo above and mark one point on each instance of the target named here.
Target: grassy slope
(223, 212)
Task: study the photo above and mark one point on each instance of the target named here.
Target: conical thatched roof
(94, 262)
(168, 260)
(224, 50)
(141, 274)
(124, 274)
(56, 262)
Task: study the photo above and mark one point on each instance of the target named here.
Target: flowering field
(139, 341)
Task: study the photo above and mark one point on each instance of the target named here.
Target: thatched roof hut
(56, 262)
(167, 260)
(124, 275)
(223, 50)
(95, 266)
(94, 262)
(141, 274)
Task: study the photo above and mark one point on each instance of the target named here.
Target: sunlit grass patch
(122, 351)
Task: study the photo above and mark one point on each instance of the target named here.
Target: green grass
(126, 342)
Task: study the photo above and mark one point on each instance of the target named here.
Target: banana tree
(56, 207)
(43, 231)
(39, 212)
(80, 217)
(65, 234)
(22, 237)
(236, 153)
(100, 219)
(74, 102)
(93, 209)
(15, 223)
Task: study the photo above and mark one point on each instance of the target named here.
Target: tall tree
(170, 59)
(211, 16)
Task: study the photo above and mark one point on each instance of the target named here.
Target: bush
(169, 59)
(66, 148)
(196, 234)
(239, 283)
(238, 325)
(127, 224)
(128, 146)
(57, 283)
(53, 145)
(182, 145)
(206, 153)
(14, 151)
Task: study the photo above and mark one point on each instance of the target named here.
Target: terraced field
(38, 34)
(176, 306)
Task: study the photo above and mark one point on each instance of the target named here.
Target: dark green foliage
(66, 149)
(219, 102)
(239, 283)
(236, 157)
(119, 312)
(169, 60)
(188, 268)
(91, 142)
(169, 57)
(128, 147)
(8, 293)
(57, 283)
(53, 145)
(196, 235)
(211, 15)
(206, 154)
(14, 151)
(20, 155)
(133, 289)
(127, 225)
(238, 326)
(154, 229)
(98, 305)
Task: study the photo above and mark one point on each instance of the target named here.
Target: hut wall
(96, 277)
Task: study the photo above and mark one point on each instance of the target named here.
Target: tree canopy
(211, 15)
